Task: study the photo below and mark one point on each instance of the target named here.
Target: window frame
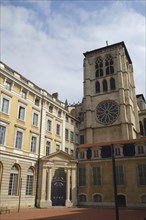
(31, 143)
(29, 191)
(8, 98)
(21, 105)
(38, 118)
(14, 179)
(21, 131)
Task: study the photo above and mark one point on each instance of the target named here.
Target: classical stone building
(53, 154)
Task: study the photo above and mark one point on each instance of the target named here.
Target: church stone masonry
(62, 153)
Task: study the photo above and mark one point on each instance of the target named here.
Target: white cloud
(49, 52)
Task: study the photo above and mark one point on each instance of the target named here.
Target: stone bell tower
(109, 102)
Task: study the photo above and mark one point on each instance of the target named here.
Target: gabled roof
(100, 144)
(109, 46)
(60, 153)
(142, 96)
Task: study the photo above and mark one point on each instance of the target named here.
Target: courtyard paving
(74, 214)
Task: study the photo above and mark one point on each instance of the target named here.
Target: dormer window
(96, 153)
(118, 151)
(140, 150)
(82, 155)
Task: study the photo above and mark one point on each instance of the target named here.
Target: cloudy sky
(44, 40)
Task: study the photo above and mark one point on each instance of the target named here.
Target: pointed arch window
(13, 181)
(99, 67)
(97, 87)
(104, 84)
(112, 84)
(109, 65)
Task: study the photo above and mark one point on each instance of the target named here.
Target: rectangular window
(120, 175)
(142, 174)
(82, 155)
(96, 153)
(35, 119)
(33, 144)
(66, 150)
(96, 176)
(29, 185)
(72, 152)
(48, 146)
(5, 105)
(71, 136)
(57, 147)
(81, 139)
(82, 176)
(66, 134)
(117, 151)
(7, 85)
(21, 113)
(23, 94)
(13, 184)
(58, 129)
(2, 134)
(18, 143)
(49, 125)
(140, 149)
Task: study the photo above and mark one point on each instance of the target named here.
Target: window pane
(2, 134)
(142, 174)
(29, 185)
(33, 144)
(35, 119)
(21, 113)
(18, 143)
(5, 105)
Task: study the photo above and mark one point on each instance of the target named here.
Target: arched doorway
(121, 201)
(58, 188)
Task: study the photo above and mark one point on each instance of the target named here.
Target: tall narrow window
(57, 147)
(58, 129)
(142, 174)
(120, 175)
(109, 65)
(2, 134)
(33, 144)
(29, 182)
(5, 105)
(71, 136)
(19, 136)
(13, 181)
(66, 134)
(35, 119)
(21, 113)
(48, 146)
(141, 128)
(144, 125)
(112, 84)
(99, 67)
(104, 83)
(97, 87)
(49, 125)
(96, 176)
(82, 176)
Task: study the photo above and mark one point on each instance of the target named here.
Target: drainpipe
(38, 164)
(115, 183)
